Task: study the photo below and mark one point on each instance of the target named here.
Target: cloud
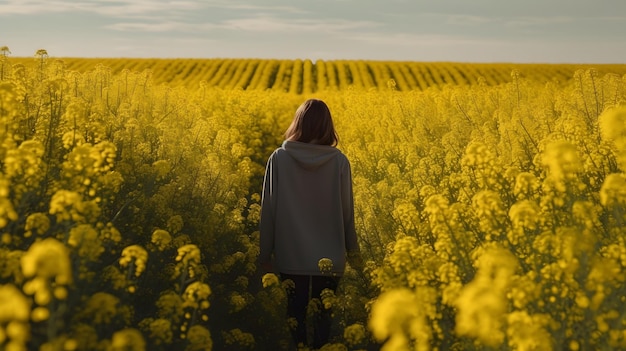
(403, 39)
(262, 8)
(257, 23)
(153, 27)
(274, 24)
(96, 6)
(468, 20)
(30, 7)
(155, 47)
(129, 8)
(540, 21)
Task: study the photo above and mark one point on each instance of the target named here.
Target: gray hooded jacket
(307, 210)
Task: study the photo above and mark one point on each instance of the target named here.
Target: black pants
(309, 287)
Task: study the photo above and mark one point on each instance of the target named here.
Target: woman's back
(311, 196)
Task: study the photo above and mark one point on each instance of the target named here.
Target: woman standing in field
(307, 215)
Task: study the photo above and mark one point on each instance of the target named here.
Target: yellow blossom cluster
(237, 338)
(189, 259)
(47, 264)
(67, 205)
(161, 238)
(36, 223)
(613, 127)
(398, 319)
(197, 296)
(354, 334)
(199, 338)
(134, 257)
(14, 317)
(7, 212)
(325, 265)
(128, 339)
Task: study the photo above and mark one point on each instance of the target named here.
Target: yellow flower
(238, 337)
(161, 168)
(477, 155)
(71, 139)
(18, 334)
(562, 160)
(406, 213)
(170, 306)
(237, 302)
(161, 331)
(175, 224)
(528, 332)
(14, 318)
(136, 255)
(613, 127)
(199, 338)
(40, 314)
(524, 214)
(482, 302)
(397, 317)
(109, 232)
(128, 340)
(85, 238)
(14, 306)
(7, 212)
(48, 259)
(69, 205)
(354, 333)
(325, 265)
(195, 294)
(270, 279)
(37, 223)
(188, 253)
(189, 257)
(613, 191)
(526, 184)
(161, 238)
(102, 309)
(328, 298)
(254, 213)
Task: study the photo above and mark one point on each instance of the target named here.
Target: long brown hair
(313, 123)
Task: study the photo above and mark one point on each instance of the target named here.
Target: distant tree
(4, 51)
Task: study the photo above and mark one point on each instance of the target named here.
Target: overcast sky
(551, 31)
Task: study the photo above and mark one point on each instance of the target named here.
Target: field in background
(305, 76)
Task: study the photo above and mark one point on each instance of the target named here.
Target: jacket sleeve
(347, 205)
(268, 207)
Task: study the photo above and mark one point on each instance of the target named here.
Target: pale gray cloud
(34, 7)
(274, 24)
(129, 8)
(260, 23)
(156, 27)
(469, 20)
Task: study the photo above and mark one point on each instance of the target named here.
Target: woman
(307, 214)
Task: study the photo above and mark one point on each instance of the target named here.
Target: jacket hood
(310, 156)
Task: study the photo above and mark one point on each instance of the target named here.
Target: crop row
(305, 76)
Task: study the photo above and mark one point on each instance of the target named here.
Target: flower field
(490, 204)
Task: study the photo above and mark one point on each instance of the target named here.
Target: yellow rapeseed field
(490, 203)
